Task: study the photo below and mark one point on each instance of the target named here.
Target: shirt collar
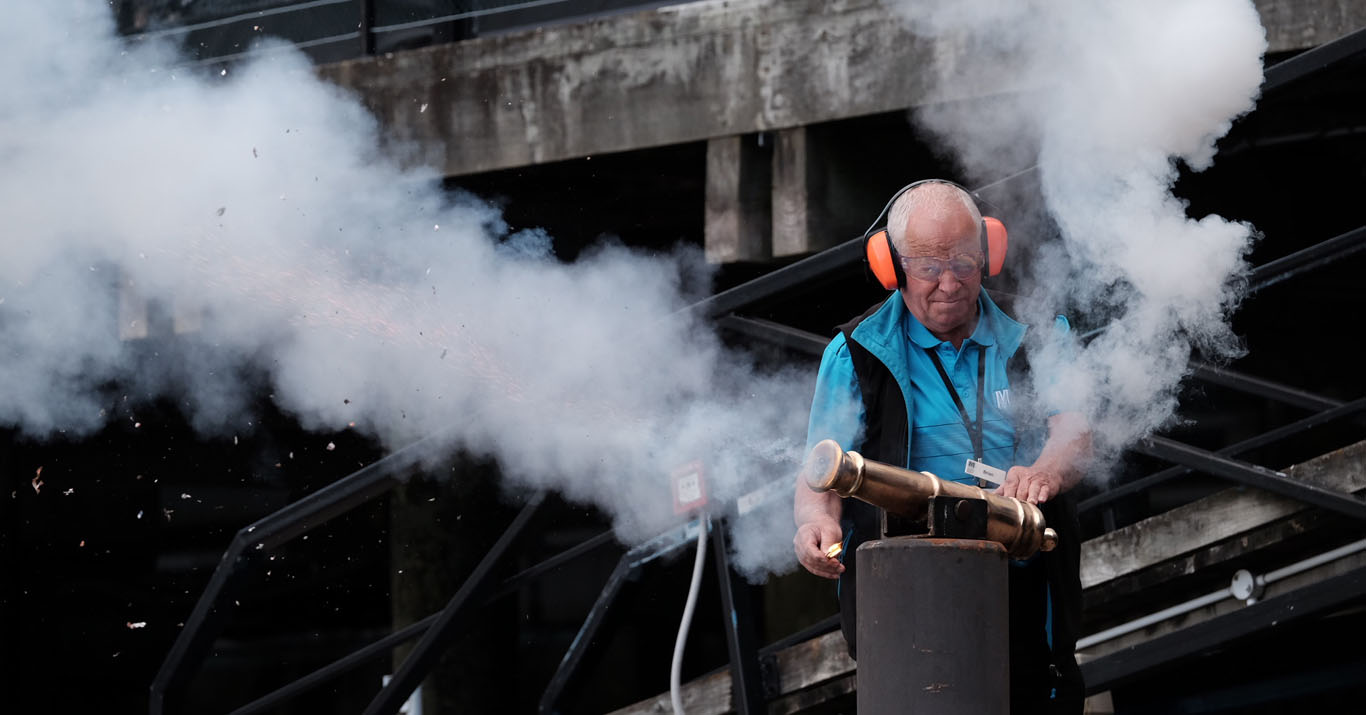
(992, 324)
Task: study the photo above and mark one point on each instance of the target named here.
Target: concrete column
(738, 220)
(933, 627)
(799, 186)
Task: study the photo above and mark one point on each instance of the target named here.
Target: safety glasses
(929, 268)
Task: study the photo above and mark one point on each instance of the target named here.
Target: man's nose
(948, 281)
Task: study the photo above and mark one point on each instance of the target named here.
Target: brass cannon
(1016, 525)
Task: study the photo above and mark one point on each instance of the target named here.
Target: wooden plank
(813, 662)
(708, 695)
(1206, 521)
(804, 700)
(805, 665)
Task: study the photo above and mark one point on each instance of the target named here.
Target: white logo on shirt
(1002, 399)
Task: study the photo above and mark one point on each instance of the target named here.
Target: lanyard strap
(974, 432)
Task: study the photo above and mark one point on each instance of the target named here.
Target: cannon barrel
(1016, 525)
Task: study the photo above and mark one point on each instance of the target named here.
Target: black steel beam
(747, 691)
(1262, 387)
(1307, 259)
(1114, 669)
(451, 621)
(514, 582)
(573, 657)
(389, 642)
(802, 273)
(1346, 410)
(363, 27)
(776, 333)
(627, 569)
(208, 618)
(344, 494)
(1252, 475)
(381, 647)
(1313, 61)
(206, 621)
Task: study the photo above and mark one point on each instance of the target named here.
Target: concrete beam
(681, 73)
(1301, 24)
(675, 74)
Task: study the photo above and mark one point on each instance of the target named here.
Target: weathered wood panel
(1207, 521)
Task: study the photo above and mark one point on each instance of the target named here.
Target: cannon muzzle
(1016, 525)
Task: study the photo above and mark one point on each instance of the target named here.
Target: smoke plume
(253, 210)
(1107, 100)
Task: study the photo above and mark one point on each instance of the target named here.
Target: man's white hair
(933, 195)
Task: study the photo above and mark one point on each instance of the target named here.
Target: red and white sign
(689, 488)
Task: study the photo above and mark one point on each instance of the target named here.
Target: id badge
(985, 472)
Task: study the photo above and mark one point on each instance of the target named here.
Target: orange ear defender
(885, 263)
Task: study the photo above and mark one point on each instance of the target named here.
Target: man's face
(946, 305)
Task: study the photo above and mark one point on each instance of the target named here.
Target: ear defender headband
(885, 263)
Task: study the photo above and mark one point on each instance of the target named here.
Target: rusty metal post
(933, 627)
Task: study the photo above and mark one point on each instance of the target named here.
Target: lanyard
(974, 432)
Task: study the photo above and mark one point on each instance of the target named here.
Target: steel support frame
(210, 613)
(363, 27)
(1343, 411)
(452, 620)
(1313, 61)
(627, 569)
(386, 644)
(804, 272)
(1260, 387)
(1252, 475)
(783, 336)
(1307, 259)
(748, 692)
(1114, 669)
(338, 667)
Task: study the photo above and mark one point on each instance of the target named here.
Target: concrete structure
(718, 71)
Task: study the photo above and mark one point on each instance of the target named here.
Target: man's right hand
(813, 540)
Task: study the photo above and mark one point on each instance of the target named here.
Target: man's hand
(813, 540)
(1059, 465)
(1031, 484)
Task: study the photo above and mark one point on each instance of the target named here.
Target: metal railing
(218, 31)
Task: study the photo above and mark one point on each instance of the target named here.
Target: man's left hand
(1031, 484)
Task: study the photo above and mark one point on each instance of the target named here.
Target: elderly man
(921, 380)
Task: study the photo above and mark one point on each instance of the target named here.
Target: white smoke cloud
(1106, 98)
(258, 209)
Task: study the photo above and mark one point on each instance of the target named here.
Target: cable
(676, 671)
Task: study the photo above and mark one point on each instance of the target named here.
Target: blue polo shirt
(939, 441)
